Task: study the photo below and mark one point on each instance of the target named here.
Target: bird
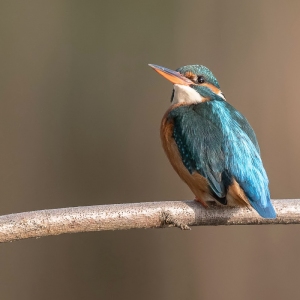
(211, 145)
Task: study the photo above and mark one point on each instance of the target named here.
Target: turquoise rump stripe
(217, 141)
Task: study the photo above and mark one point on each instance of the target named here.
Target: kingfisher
(211, 145)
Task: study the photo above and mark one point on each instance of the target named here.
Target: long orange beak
(173, 76)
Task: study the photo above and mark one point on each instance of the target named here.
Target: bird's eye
(200, 79)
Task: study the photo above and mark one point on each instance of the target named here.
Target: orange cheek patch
(212, 87)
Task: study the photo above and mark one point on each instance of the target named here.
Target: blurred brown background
(80, 113)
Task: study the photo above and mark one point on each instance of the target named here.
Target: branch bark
(180, 214)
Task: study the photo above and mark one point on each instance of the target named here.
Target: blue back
(217, 141)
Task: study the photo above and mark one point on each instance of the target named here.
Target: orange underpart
(196, 182)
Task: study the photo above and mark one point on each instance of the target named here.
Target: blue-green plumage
(200, 70)
(216, 141)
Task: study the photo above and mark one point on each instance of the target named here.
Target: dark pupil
(201, 79)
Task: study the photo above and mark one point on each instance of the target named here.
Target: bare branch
(181, 214)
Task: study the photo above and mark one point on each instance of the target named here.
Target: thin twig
(180, 214)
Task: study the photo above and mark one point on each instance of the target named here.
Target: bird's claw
(167, 219)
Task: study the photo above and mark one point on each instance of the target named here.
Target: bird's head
(192, 84)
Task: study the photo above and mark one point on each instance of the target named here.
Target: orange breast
(197, 183)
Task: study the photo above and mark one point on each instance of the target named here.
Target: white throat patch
(186, 94)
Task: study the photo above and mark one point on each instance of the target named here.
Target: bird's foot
(201, 202)
(168, 219)
(249, 208)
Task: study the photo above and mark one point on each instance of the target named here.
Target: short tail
(267, 212)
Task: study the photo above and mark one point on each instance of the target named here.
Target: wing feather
(217, 141)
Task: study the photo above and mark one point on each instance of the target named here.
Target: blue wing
(217, 141)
